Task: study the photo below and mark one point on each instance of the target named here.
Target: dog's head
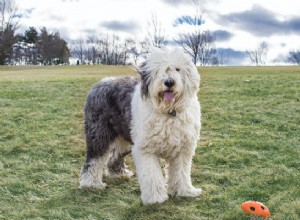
(169, 79)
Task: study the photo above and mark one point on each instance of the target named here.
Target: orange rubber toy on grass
(256, 208)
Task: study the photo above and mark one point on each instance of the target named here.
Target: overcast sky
(239, 25)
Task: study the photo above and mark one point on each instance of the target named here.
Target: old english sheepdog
(156, 115)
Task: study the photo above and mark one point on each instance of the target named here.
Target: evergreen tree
(31, 35)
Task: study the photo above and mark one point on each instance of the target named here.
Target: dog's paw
(191, 192)
(155, 199)
(91, 185)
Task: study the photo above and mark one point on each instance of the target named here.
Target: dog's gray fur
(108, 116)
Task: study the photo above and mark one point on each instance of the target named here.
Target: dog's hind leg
(92, 172)
(116, 164)
(98, 139)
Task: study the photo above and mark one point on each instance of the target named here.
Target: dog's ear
(145, 78)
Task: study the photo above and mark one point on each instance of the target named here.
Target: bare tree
(92, 52)
(79, 49)
(207, 51)
(196, 42)
(136, 53)
(156, 35)
(294, 57)
(129, 49)
(258, 56)
(8, 25)
(144, 46)
(116, 53)
(221, 58)
(191, 41)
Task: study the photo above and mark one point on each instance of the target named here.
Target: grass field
(249, 148)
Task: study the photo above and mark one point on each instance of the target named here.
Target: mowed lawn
(249, 148)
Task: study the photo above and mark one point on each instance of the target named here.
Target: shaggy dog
(156, 115)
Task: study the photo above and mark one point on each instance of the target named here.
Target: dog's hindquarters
(107, 118)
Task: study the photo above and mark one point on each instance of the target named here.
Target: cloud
(25, 13)
(260, 22)
(90, 31)
(126, 26)
(186, 19)
(281, 58)
(17, 16)
(283, 44)
(232, 53)
(222, 35)
(65, 34)
(56, 17)
(176, 3)
(29, 10)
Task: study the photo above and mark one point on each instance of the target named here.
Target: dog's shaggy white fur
(163, 122)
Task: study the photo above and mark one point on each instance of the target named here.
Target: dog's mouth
(169, 96)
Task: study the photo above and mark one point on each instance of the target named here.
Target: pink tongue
(168, 96)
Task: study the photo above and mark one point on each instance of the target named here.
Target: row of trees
(8, 25)
(108, 49)
(31, 47)
(199, 43)
(39, 48)
(44, 47)
(49, 48)
(258, 55)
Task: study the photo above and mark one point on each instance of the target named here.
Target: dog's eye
(177, 69)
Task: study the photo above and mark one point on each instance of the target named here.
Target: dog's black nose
(169, 83)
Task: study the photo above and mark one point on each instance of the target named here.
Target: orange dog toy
(256, 208)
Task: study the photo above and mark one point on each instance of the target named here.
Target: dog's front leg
(179, 176)
(150, 177)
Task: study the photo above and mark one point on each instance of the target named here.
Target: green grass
(249, 148)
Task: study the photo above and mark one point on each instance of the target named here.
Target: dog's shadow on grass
(121, 197)
(170, 209)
